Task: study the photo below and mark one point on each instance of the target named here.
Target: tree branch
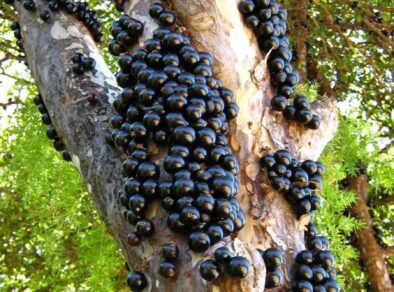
(370, 251)
(10, 102)
(388, 251)
(385, 200)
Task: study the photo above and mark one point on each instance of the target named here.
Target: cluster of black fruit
(268, 21)
(225, 261)
(81, 9)
(170, 97)
(273, 259)
(125, 33)
(314, 270)
(170, 254)
(51, 132)
(299, 181)
(17, 33)
(82, 63)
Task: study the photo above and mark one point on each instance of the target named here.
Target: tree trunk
(214, 26)
(371, 254)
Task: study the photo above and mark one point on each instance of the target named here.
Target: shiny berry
(301, 102)
(145, 228)
(274, 278)
(273, 258)
(45, 15)
(279, 103)
(289, 112)
(174, 222)
(223, 255)
(190, 215)
(133, 239)
(304, 272)
(147, 170)
(246, 7)
(304, 257)
(167, 270)
(238, 267)
(303, 116)
(314, 123)
(155, 10)
(199, 241)
(137, 204)
(137, 281)
(210, 270)
(303, 286)
(170, 252)
(166, 18)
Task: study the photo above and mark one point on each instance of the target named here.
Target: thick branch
(371, 255)
(388, 251)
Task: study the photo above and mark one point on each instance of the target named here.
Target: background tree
(69, 264)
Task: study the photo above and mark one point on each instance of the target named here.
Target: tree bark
(371, 254)
(214, 26)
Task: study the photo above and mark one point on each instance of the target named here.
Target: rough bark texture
(371, 254)
(214, 26)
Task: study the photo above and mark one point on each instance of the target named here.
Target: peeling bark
(371, 254)
(214, 26)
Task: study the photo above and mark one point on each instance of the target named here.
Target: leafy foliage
(52, 237)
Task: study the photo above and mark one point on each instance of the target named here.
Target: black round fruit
(167, 270)
(199, 241)
(137, 281)
(184, 135)
(279, 103)
(289, 112)
(273, 258)
(283, 156)
(303, 286)
(238, 267)
(304, 257)
(223, 255)
(246, 7)
(215, 233)
(166, 18)
(170, 252)
(303, 116)
(314, 123)
(147, 170)
(174, 222)
(304, 272)
(137, 203)
(190, 216)
(209, 270)
(155, 10)
(145, 228)
(301, 102)
(29, 5)
(274, 278)
(133, 239)
(45, 15)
